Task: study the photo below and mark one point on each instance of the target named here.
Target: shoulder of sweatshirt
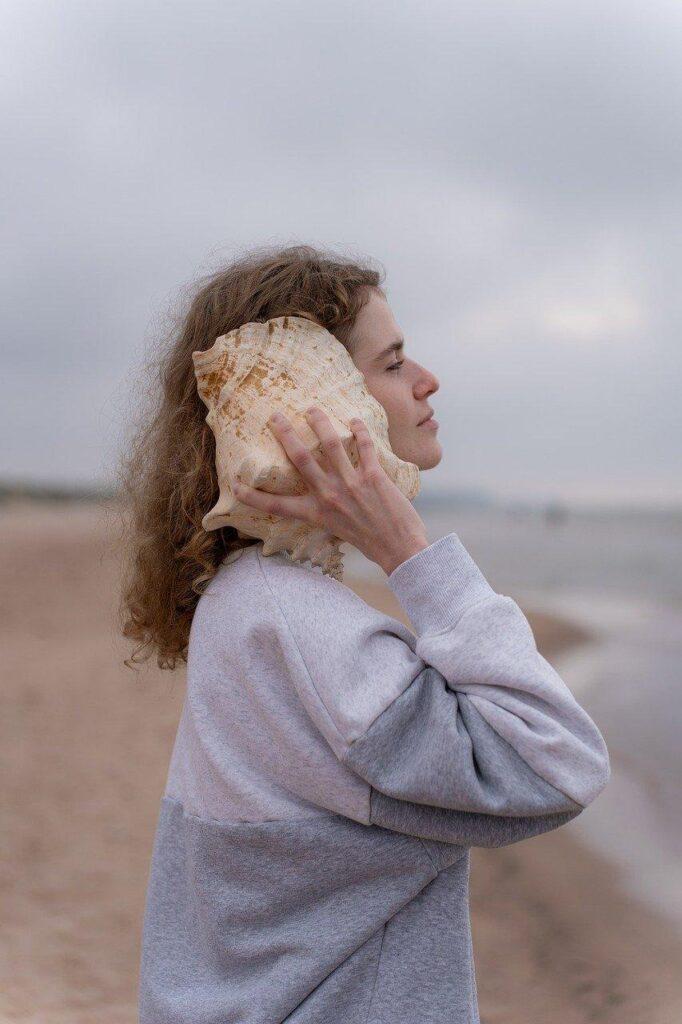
(358, 658)
(338, 638)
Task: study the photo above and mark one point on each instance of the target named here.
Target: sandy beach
(85, 750)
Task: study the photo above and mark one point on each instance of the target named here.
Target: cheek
(395, 396)
(381, 390)
(398, 410)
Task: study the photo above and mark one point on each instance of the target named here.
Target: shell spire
(286, 363)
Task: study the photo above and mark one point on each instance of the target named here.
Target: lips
(425, 418)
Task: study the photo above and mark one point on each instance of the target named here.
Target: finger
(366, 450)
(275, 504)
(303, 459)
(332, 445)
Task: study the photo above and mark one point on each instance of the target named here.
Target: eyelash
(396, 366)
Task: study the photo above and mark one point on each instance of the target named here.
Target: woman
(332, 768)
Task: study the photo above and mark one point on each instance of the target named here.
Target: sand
(85, 749)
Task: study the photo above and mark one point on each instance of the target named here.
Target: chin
(429, 461)
(426, 456)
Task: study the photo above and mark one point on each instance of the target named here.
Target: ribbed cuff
(437, 584)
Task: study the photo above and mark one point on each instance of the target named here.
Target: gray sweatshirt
(330, 773)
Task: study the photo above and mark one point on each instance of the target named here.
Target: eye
(396, 366)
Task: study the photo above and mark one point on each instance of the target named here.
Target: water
(620, 576)
(609, 553)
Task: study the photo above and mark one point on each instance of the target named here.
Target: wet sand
(85, 749)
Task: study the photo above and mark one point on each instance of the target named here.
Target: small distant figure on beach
(555, 513)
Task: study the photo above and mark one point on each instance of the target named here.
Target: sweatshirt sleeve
(464, 732)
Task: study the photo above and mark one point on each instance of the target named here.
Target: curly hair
(166, 469)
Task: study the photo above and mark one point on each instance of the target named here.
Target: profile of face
(397, 382)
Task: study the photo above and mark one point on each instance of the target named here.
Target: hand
(361, 506)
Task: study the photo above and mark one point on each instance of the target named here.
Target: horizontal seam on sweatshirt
(231, 822)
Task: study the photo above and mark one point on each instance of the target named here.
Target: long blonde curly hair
(166, 470)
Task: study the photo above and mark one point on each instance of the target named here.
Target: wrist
(400, 554)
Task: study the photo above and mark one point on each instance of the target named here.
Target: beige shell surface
(286, 364)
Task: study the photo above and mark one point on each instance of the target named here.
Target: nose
(427, 382)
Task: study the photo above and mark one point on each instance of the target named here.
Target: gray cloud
(516, 168)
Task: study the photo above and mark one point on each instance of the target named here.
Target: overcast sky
(516, 168)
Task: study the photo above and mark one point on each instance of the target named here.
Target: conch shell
(287, 364)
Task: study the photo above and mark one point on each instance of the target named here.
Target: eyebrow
(395, 347)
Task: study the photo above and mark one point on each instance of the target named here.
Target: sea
(618, 574)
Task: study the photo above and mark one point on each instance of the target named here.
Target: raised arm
(464, 732)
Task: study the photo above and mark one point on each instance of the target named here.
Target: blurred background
(516, 167)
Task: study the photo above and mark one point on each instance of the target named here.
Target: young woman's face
(403, 389)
